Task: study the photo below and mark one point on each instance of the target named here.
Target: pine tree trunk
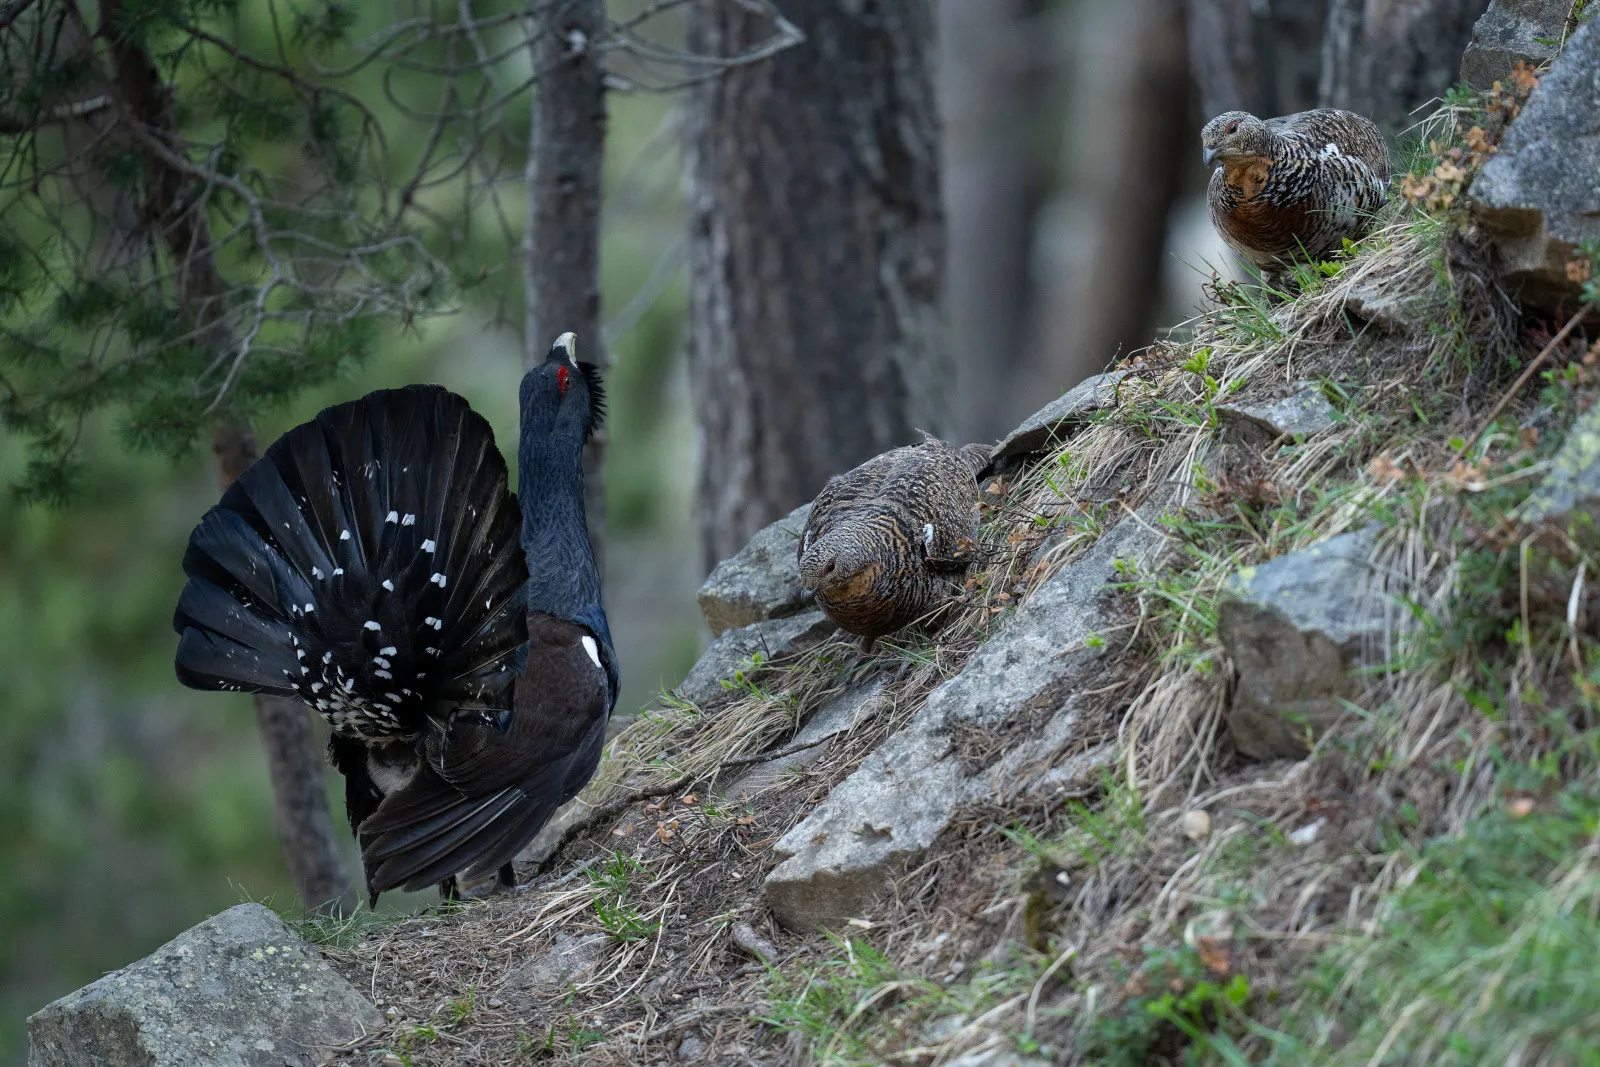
(995, 100)
(305, 827)
(816, 248)
(1382, 58)
(561, 246)
(1388, 59)
(1250, 56)
(1127, 174)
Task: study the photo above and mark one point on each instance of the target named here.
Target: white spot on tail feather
(593, 649)
(387, 584)
(393, 516)
(409, 520)
(428, 546)
(371, 624)
(387, 650)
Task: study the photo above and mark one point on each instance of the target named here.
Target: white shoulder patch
(1330, 149)
(927, 535)
(593, 649)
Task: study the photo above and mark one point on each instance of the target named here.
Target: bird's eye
(827, 568)
(563, 379)
(1233, 127)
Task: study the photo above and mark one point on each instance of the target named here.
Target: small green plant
(1177, 1013)
(613, 878)
(560, 1039)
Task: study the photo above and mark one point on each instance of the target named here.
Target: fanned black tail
(369, 564)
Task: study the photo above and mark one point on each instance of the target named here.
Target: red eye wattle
(563, 379)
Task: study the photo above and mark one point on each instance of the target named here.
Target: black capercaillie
(1293, 187)
(374, 565)
(884, 541)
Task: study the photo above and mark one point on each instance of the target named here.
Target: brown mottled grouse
(1296, 186)
(885, 539)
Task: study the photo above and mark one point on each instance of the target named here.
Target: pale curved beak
(1209, 155)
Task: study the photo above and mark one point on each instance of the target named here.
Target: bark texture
(1389, 58)
(816, 254)
(1129, 171)
(561, 246)
(305, 827)
(1382, 58)
(1256, 57)
(994, 98)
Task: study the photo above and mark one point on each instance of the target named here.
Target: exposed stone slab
(838, 716)
(761, 582)
(1511, 31)
(997, 1057)
(1050, 423)
(1301, 414)
(571, 958)
(1295, 628)
(1539, 196)
(239, 990)
(1572, 488)
(902, 796)
(732, 651)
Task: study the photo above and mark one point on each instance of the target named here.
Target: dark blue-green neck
(562, 577)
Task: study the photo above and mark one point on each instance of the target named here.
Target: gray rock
(761, 582)
(1051, 422)
(1301, 414)
(1294, 628)
(239, 990)
(734, 650)
(890, 810)
(1572, 488)
(570, 958)
(1509, 31)
(996, 1057)
(837, 716)
(1539, 196)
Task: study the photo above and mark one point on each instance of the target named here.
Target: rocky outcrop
(837, 716)
(761, 582)
(1295, 628)
(1050, 423)
(1512, 31)
(890, 810)
(239, 990)
(736, 649)
(1539, 196)
(1572, 488)
(1301, 414)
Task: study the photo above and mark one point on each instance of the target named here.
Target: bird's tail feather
(430, 831)
(370, 559)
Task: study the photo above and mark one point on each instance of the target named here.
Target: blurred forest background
(1075, 228)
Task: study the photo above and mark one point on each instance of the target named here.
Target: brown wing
(1353, 134)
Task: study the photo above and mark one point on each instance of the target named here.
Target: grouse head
(1235, 135)
(561, 397)
(845, 563)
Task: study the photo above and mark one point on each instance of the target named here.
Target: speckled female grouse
(1293, 187)
(374, 565)
(884, 540)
